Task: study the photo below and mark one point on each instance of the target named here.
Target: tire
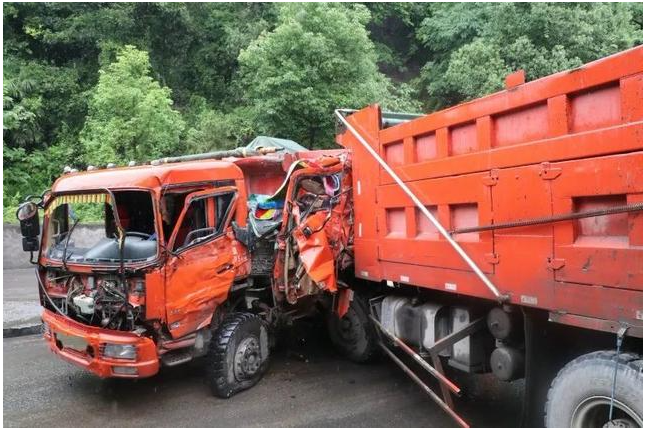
(238, 355)
(354, 335)
(580, 394)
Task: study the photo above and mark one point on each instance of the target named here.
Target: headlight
(115, 350)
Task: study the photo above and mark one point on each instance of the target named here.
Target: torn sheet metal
(314, 251)
(314, 242)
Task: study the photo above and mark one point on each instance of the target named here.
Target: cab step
(174, 358)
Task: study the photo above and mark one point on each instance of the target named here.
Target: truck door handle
(223, 268)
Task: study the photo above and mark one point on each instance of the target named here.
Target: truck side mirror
(27, 214)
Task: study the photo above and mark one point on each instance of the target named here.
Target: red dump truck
(501, 235)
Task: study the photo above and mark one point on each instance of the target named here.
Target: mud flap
(539, 367)
(344, 298)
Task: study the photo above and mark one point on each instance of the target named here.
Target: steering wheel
(138, 234)
(198, 234)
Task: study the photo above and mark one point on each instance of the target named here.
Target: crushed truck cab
(188, 253)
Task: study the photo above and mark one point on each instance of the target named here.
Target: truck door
(200, 268)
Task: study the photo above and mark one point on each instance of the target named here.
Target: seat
(124, 217)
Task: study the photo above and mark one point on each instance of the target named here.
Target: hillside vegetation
(92, 83)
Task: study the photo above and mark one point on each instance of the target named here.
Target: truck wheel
(354, 335)
(238, 354)
(581, 392)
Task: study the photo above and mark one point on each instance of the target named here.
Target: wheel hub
(593, 412)
(247, 358)
(620, 423)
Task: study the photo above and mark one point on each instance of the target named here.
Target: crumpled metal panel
(315, 238)
(315, 252)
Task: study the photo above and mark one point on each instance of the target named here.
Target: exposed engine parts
(98, 300)
(85, 304)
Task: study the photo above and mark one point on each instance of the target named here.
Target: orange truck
(502, 235)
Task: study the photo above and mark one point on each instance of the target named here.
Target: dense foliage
(319, 57)
(130, 115)
(489, 41)
(91, 83)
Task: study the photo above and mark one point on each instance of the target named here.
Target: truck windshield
(82, 227)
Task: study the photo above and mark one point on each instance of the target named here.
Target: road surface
(313, 387)
(308, 385)
(20, 305)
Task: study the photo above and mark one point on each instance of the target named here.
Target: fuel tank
(422, 324)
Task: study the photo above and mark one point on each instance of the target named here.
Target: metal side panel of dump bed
(562, 154)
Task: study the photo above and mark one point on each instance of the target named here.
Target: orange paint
(315, 252)
(567, 142)
(189, 280)
(146, 363)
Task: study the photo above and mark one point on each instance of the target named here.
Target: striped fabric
(77, 198)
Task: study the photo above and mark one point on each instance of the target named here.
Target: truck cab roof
(149, 177)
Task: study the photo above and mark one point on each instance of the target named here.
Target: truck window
(73, 231)
(171, 207)
(135, 210)
(222, 209)
(194, 225)
(205, 218)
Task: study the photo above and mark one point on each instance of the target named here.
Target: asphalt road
(307, 385)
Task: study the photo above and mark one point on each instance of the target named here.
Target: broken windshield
(81, 228)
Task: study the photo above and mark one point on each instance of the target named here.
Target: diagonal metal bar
(446, 394)
(422, 208)
(457, 336)
(424, 387)
(408, 350)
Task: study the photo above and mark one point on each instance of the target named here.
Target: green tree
(317, 59)
(20, 127)
(473, 45)
(209, 129)
(130, 115)
(239, 69)
(393, 31)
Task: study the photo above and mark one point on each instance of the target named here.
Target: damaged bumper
(85, 346)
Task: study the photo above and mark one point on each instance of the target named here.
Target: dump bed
(568, 143)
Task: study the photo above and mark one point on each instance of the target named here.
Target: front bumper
(60, 328)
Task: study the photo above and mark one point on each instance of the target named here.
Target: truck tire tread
(629, 363)
(218, 370)
(370, 352)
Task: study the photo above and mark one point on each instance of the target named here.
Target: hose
(620, 339)
(241, 152)
(49, 299)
